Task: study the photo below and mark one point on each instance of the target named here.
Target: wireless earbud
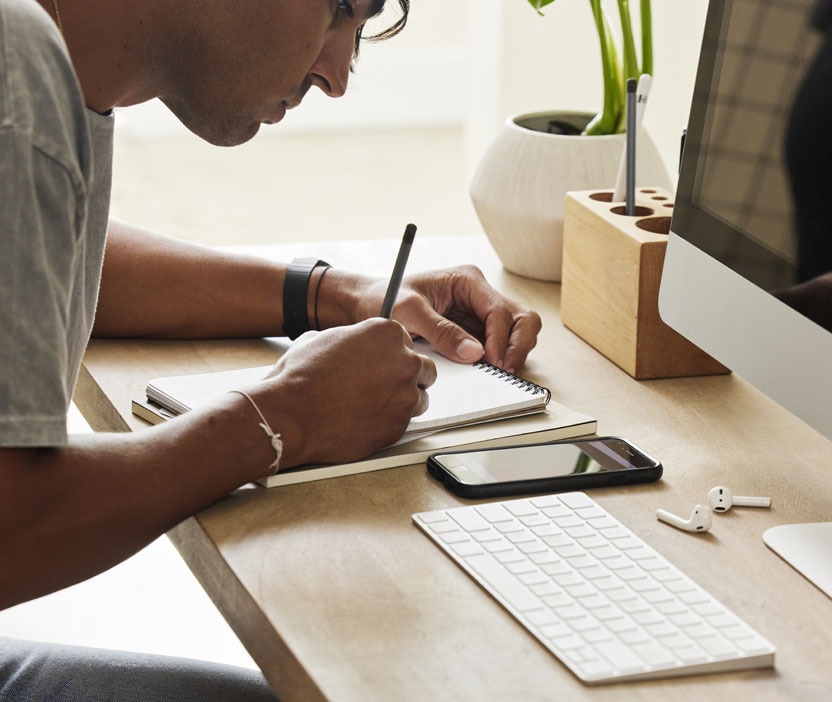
(700, 519)
(721, 500)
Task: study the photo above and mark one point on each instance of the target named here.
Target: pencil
(398, 272)
(630, 203)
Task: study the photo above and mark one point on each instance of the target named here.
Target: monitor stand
(807, 548)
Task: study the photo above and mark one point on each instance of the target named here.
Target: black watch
(296, 295)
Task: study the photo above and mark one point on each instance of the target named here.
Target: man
(72, 507)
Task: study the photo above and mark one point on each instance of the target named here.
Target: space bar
(502, 583)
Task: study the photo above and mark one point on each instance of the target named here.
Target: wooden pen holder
(612, 267)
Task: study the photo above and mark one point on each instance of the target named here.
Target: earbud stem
(752, 501)
(700, 519)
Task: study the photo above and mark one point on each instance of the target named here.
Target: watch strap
(296, 295)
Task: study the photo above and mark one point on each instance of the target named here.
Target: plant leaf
(537, 4)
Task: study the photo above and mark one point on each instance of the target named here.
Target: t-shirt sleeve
(39, 225)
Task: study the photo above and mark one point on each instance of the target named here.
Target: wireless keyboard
(592, 592)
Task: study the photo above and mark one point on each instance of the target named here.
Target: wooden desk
(338, 596)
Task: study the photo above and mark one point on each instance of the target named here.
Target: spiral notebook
(475, 405)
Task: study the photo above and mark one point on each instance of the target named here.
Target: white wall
(472, 64)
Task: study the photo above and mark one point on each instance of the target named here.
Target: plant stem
(646, 37)
(606, 122)
(611, 119)
(630, 64)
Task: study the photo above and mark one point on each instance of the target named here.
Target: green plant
(618, 63)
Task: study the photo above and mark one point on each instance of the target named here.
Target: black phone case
(545, 485)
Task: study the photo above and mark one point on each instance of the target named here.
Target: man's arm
(69, 512)
(157, 286)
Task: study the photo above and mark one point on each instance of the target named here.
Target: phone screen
(544, 461)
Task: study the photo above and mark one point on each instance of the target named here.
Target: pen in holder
(612, 266)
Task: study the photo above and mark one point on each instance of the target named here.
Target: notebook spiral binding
(527, 385)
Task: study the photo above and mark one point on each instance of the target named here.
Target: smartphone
(551, 467)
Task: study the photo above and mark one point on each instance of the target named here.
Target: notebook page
(461, 394)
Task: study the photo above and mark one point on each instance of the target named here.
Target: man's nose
(331, 72)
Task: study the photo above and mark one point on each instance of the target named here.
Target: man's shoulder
(40, 98)
(33, 55)
(24, 20)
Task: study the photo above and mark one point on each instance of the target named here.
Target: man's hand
(464, 318)
(340, 394)
(455, 309)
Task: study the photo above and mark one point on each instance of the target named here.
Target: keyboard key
(531, 580)
(542, 617)
(521, 508)
(577, 500)
(509, 556)
(717, 646)
(621, 656)
(468, 519)
(454, 537)
(509, 588)
(493, 512)
(546, 588)
(545, 501)
(556, 630)
(654, 654)
(466, 549)
(487, 536)
(691, 655)
(433, 517)
(593, 670)
(497, 546)
(518, 537)
(440, 526)
(509, 526)
(521, 567)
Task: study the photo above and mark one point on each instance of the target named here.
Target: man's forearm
(158, 286)
(71, 512)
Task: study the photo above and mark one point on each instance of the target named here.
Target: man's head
(240, 65)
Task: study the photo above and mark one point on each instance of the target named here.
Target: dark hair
(391, 31)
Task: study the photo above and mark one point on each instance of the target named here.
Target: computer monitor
(748, 270)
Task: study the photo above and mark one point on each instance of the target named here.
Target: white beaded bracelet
(276, 441)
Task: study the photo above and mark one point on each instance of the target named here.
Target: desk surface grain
(338, 596)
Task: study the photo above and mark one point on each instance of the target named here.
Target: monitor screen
(748, 270)
(755, 181)
(747, 275)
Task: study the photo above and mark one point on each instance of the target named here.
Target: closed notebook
(462, 398)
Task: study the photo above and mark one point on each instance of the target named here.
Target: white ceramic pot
(519, 187)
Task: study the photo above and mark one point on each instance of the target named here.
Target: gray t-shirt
(55, 172)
